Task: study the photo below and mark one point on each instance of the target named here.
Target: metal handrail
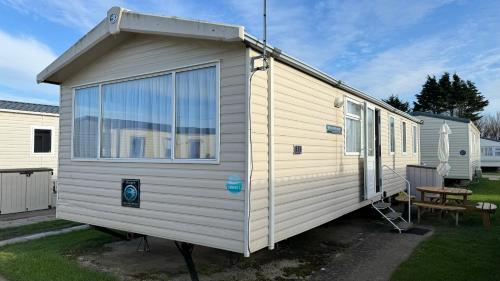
(407, 187)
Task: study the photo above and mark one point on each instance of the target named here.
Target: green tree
(431, 98)
(455, 96)
(398, 103)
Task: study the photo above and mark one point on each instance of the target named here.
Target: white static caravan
(28, 155)
(238, 160)
(465, 156)
(490, 153)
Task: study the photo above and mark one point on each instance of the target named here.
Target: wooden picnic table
(444, 192)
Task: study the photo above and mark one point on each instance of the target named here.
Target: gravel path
(357, 247)
(371, 256)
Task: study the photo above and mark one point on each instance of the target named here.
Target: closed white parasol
(444, 150)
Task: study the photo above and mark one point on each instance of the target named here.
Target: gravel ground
(358, 247)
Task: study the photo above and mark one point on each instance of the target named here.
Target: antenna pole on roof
(264, 53)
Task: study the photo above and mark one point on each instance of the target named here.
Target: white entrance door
(369, 152)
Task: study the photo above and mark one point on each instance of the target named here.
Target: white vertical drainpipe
(270, 116)
(246, 226)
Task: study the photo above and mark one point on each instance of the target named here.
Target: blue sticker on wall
(234, 184)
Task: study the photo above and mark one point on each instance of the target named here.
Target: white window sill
(149, 161)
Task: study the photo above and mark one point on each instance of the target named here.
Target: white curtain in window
(137, 110)
(196, 109)
(353, 135)
(86, 120)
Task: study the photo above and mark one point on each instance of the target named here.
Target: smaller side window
(403, 136)
(353, 127)
(392, 135)
(42, 140)
(415, 139)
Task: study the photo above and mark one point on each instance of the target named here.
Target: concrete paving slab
(25, 218)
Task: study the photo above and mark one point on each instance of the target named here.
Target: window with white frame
(403, 137)
(85, 122)
(392, 134)
(414, 135)
(353, 127)
(42, 140)
(135, 118)
(487, 151)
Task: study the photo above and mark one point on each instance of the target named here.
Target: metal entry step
(391, 216)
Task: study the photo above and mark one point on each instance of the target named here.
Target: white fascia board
(173, 26)
(119, 19)
(93, 37)
(280, 56)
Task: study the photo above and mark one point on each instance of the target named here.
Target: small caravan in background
(490, 153)
(28, 156)
(465, 156)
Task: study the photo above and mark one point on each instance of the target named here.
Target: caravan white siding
(461, 139)
(490, 153)
(16, 140)
(185, 202)
(322, 183)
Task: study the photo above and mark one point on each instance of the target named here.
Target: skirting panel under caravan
(24, 190)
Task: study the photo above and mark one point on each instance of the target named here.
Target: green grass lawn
(467, 252)
(52, 258)
(7, 233)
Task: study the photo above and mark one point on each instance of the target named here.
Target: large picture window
(353, 136)
(195, 118)
(133, 112)
(166, 117)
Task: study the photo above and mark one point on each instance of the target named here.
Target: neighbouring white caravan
(28, 155)
(465, 156)
(490, 153)
(166, 131)
(30, 135)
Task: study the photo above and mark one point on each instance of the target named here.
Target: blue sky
(381, 47)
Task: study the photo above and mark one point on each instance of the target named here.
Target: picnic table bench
(430, 205)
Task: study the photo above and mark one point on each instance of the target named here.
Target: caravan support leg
(186, 250)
